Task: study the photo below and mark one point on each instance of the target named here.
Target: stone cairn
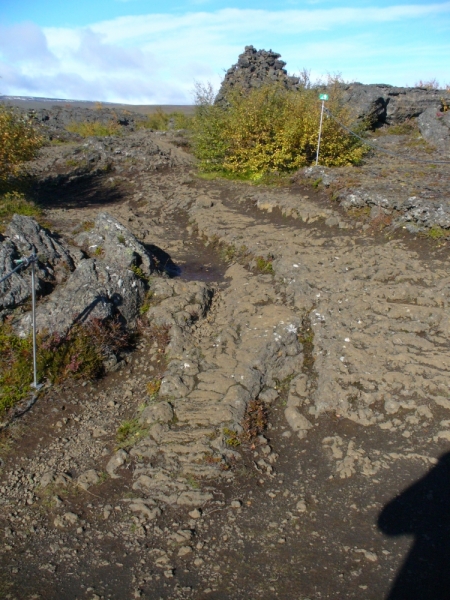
(253, 69)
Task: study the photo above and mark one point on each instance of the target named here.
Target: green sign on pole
(323, 96)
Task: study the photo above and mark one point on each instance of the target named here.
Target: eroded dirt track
(275, 296)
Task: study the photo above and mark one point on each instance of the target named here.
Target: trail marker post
(322, 97)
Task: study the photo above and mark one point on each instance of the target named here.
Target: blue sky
(144, 52)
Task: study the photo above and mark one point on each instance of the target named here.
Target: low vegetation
(16, 203)
(271, 130)
(78, 354)
(19, 142)
(254, 424)
(95, 128)
(431, 84)
(129, 433)
(162, 121)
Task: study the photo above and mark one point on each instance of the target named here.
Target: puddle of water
(201, 263)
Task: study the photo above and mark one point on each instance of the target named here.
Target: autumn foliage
(19, 141)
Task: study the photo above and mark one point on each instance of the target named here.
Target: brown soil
(335, 516)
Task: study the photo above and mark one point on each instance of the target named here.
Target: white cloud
(155, 58)
(237, 21)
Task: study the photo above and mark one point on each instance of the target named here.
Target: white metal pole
(320, 133)
(33, 300)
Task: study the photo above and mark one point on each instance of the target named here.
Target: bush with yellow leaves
(19, 141)
(272, 129)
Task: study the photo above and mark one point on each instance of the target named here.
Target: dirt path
(279, 302)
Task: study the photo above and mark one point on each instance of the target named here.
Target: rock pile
(253, 69)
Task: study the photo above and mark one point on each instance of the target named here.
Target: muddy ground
(337, 326)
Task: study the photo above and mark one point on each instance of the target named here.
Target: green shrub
(95, 128)
(19, 141)
(271, 129)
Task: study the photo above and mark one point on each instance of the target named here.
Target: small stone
(301, 506)
(196, 513)
(168, 574)
(198, 562)
(58, 521)
(184, 551)
(115, 462)
(236, 504)
(47, 478)
(70, 517)
(88, 479)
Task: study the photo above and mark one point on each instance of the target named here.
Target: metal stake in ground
(322, 97)
(23, 263)
(33, 301)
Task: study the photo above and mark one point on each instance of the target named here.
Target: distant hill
(31, 102)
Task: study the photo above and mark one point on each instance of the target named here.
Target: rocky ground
(295, 448)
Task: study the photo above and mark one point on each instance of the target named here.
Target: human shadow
(116, 300)
(422, 510)
(162, 261)
(85, 190)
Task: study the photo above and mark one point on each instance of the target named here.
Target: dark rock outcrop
(16, 288)
(97, 156)
(385, 104)
(253, 69)
(24, 236)
(30, 238)
(54, 121)
(112, 282)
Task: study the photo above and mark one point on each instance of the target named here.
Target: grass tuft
(129, 433)
(436, 233)
(264, 265)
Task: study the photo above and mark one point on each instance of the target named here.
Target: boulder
(112, 282)
(434, 126)
(16, 289)
(23, 237)
(382, 104)
(117, 245)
